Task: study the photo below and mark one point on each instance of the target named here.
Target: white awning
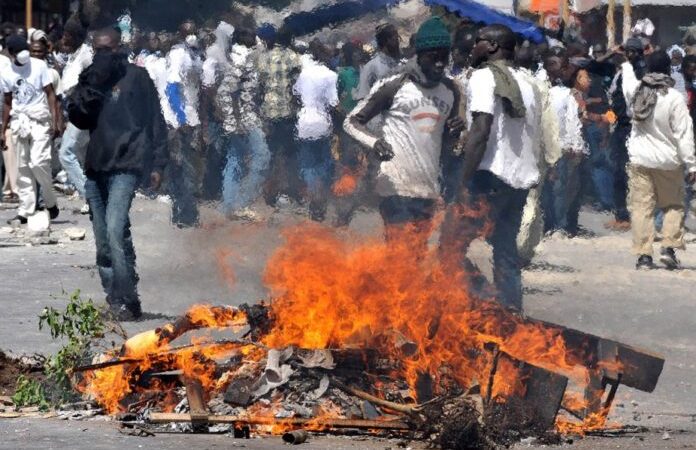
(505, 6)
(586, 5)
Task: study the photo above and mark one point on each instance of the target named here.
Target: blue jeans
(601, 170)
(501, 206)
(245, 170)
(110, 195)
(73, 145)
(562, 195)
(316, 171)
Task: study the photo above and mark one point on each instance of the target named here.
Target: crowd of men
(506, 135)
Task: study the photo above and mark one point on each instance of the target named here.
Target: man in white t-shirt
(9, 157)
(185, 177)
(563, 187)
(317, 88)
(32, 116)
(501, 163)
(74, 143)
(420, 118)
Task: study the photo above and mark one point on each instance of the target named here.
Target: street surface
(587, 283)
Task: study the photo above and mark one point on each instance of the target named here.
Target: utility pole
(611, 24)
(626, 19)
(29, 21)
(564, 8)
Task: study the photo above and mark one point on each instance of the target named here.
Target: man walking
(9, 157)
(278, 69)
(660, 147)
(420, 119)
(384, 64)
(74, 143)
(501, 155)
(242, 139)
(128, 140)
(184, 69)
(31, 114)
(317, 88)
(634, 53)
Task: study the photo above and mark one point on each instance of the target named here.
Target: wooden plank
(196, 401)
(523, 395)
(330, 423)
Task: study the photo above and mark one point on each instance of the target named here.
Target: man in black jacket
(634, 51)
(128, 139)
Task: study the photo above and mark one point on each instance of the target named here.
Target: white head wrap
(676, 48)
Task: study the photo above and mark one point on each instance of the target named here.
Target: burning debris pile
(368, 337)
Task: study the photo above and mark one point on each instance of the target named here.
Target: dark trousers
(283, 174)
(316, 169)
(561, 197)
(488, 202)
(184, 177)
(109, 195)
(408, 221)
(619, 156)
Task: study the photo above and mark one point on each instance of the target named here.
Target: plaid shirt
(277, 69)
(237, 94)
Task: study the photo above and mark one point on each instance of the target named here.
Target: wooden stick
(611, 24)
(171, 351)
(406, 409)
(319, 422)
(626, 19)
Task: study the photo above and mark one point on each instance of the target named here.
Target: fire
(328, 291)
(152, 349)
(406, 300)
(593, 422)
(346, 184)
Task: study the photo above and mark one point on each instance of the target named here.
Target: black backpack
(84, 106)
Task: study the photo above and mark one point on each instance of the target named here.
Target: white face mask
(192, 40)
(23, 57)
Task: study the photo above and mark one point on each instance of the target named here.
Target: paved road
(585, 283)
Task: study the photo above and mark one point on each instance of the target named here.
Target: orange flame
(151, 349)
(328, 291)
(331, 292)
(346, 184)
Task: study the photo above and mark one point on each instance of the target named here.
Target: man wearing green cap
(420, 117)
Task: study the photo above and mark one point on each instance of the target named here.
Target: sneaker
(124, 313)
(669, 259)
(645, 262)
(167, 200)
(11, 198)
(53, 211)
(17, 218)
(85, 209)
(244, 214)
